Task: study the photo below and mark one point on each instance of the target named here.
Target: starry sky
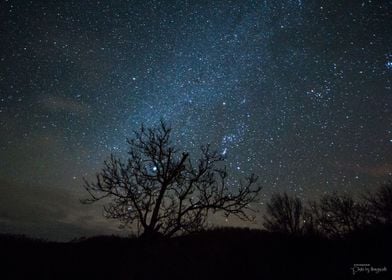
(298, 92)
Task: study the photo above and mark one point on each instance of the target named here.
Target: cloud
(52, 213)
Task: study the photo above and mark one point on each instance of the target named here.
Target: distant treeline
(334, 215)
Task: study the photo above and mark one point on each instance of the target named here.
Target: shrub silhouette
(284, 214)
(337, 215)
(162, 191)
(333, 215)
(379, 204)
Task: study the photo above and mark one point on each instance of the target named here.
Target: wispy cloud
(50, 212)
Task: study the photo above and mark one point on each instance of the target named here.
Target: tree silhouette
(162, 191)
(284, 214)
(379, 204)
(336, 215)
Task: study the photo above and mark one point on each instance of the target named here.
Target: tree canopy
(163, 192)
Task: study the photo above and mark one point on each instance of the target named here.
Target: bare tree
(162, 192)
(380, 204)
(336, 215)
(284, 214)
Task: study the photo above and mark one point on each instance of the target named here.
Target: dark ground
(218, 254)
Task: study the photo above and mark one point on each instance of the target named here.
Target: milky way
(297, 92)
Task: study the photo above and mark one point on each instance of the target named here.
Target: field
(225, 253)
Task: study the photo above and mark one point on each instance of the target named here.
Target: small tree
(379, 204)
(162, 191)
(284, 214)
(336, 215)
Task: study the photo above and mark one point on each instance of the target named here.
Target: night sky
(297, 92)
